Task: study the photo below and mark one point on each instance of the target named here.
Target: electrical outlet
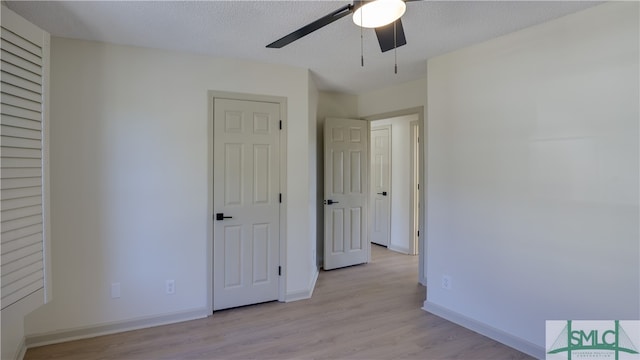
(170, 287)
(115, 290)
(446, 282)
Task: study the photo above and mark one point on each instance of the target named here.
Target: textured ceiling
(242, 29)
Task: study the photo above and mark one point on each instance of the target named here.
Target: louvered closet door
(21, 150)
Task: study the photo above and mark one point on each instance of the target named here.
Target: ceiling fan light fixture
(379, 13)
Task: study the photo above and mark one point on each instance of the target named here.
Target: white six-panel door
(381, 185)
(246, 192)
(346, 192)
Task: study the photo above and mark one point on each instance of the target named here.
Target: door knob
(220, 216)
(329, 202)
(384, 193)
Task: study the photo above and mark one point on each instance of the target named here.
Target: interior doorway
(417, 244)
(395, 183)
(413, 181)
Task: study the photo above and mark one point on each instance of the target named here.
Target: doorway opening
(406, 187)
(394, 183)
(350, 190)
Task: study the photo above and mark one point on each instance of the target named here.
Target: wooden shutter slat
(20, 213)
(17, 132)
(20, 223)
(10, 173)
(15, 287)
(20, 62)
(21, 123)
(21, 73)
(10, 194)
(10, 278)
(20, 163)
(20, 183)
(12, 298)
(21, 93)
(10, 152)
(20, 203)
(8, 109)
(10, 141)
(21, 42)
(10, 99)
(20, 233)
(21, 253)
(22, 242)
(8, 78)
(20, 52)
(14, 266)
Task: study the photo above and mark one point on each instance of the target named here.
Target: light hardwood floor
(368, 311)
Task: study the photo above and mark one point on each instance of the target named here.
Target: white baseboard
(422, 280)
(398, 249)
(498, 335)
(306, 293)
(114, 327)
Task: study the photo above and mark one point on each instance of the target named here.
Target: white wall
(393, 98)
(129, 187)
(400, 180)
(533, 175)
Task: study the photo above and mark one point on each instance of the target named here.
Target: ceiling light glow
(379, 13)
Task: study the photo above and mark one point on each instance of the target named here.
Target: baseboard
(498, 335)
(398, 249)
(422, 280)
(22, 350)
(304, 294)
(112, 328)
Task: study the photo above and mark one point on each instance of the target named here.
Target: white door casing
(381, 185)
(346, 192)
(246, 189)
(414, 142)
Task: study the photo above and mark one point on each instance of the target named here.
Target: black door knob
(220, 216)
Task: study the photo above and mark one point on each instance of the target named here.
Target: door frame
(371, 192)
(422, 240)
(282, 243)
(414, 201)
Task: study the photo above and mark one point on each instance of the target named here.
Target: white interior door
(246, 202)
(381, 185)
(346, 192)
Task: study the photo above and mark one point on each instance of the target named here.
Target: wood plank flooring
(368, 311)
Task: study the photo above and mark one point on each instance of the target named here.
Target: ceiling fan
(382, 15)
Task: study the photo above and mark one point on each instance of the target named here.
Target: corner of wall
(305, 293)
(496, 334)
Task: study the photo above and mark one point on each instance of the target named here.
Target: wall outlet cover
(446, 282)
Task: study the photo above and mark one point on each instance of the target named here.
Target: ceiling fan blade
(386, 39)
(308, 29)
